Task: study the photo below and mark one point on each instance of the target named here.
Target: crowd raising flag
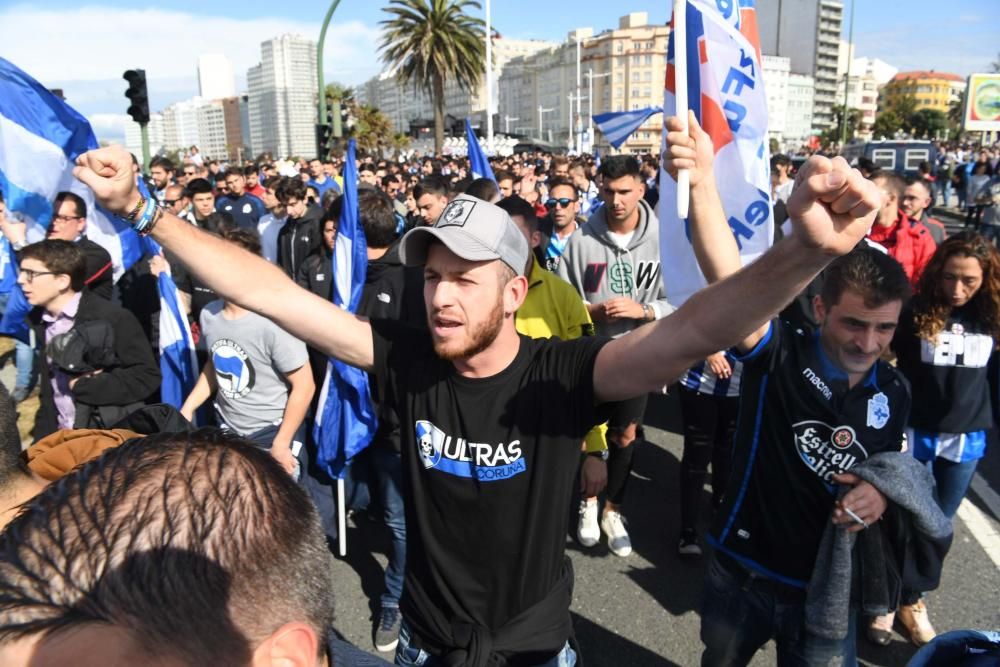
(725, 91)
(40, 138)
(345, 419)
(617, 126)
(478, 163)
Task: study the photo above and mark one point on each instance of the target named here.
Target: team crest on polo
(485, 462)
(457, 213)
(828, 450)
(878, 410)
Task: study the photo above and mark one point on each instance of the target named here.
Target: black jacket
(315, 273)
(395, 292)
(100, 270)
(298, 238)
(105, 398)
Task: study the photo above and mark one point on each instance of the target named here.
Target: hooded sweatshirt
(601, 270)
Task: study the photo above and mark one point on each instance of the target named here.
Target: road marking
(984, 530)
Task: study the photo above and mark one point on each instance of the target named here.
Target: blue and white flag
(617, 126)
(345, 419)
(478, 163)
(178, 361)
(40, 138)
(726, 93)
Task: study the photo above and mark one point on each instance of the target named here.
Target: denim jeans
(951, 482)
(742, 611)
(388, 470)
(24, 355)
(411, 656)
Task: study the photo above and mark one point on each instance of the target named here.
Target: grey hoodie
(600, 270)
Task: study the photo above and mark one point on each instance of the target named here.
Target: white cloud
(107, 125)
(96, 44)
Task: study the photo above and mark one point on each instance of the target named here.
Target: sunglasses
(563, 202)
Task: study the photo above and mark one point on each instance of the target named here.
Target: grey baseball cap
(472, 229)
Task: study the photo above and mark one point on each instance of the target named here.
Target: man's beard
(480, 336)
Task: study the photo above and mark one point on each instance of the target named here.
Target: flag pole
(681, 98)
(341, 518)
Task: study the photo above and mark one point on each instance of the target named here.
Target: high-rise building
(180, 124)
(776, 70)
(133, 136)
(411, 108)
(867, 76)
(807, 32)
(799, 114)
(212, 130)
(627, 67)
(216, 79)
(235, 139)
(282, 98)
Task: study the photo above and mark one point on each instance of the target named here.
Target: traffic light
(138, 95)
(323, 136)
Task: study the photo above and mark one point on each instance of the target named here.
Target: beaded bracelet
(156, 218)
(130, 216)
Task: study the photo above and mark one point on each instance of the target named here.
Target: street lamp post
(590, 99)
(847, 79)
(337, 130)
(489, 79)
(577, 128)
(541, 111)
(506, 123)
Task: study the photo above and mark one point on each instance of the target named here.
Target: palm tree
(429, 42)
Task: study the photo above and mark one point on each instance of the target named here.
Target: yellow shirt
(554, 308)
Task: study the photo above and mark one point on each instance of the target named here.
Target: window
(914, 156)
(635, 76)
(636, 59)
(884, 158)
(649, 59)
(649, 76)
(619, 47)
(635, 92)
(619, 78)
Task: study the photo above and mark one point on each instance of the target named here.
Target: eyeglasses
(67, 218)
(563, 202)
(29, 275)
(170, 202)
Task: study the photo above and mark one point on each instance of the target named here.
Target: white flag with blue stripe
(345, 418)
(478, 164)
(617, 126)
(40, 138)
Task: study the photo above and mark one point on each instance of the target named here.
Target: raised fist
(108, 172)
(832, 206)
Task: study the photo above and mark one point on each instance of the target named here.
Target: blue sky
(84, 48)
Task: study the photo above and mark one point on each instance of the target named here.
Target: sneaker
(914, 618)
(387, 632)
(613, 525)
(587, 530)
(880, 629)
(688, 545)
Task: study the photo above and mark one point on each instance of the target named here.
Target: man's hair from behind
(198, 544)
(871, 273)
(78, 204)
(514, 205)
(616, 166)
(12, 465)
(244, 238)
(60, 257)
(892, 181)
(377, 218)
(483, 188)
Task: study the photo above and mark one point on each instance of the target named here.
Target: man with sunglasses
(188, 173)
(561, 222)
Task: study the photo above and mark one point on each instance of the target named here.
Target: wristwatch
(647, 312)
(602, 454)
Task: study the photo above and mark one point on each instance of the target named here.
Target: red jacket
(908, 243)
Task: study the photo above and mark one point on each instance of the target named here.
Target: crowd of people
(512, 330)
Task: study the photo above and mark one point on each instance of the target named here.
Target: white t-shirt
(268, 227)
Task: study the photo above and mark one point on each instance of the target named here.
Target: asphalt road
(643, 610)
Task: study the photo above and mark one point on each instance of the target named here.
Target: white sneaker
(587, 531)
(613, 525)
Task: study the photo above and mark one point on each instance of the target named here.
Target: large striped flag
(478, 164)
(345, 419)
(40, 138)
(617, 126)
(726, 93)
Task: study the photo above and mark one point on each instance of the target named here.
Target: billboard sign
(982, 103)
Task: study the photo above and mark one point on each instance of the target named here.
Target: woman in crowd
(946, 346)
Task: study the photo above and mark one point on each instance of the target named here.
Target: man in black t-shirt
(812, 405)
(488, 468)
